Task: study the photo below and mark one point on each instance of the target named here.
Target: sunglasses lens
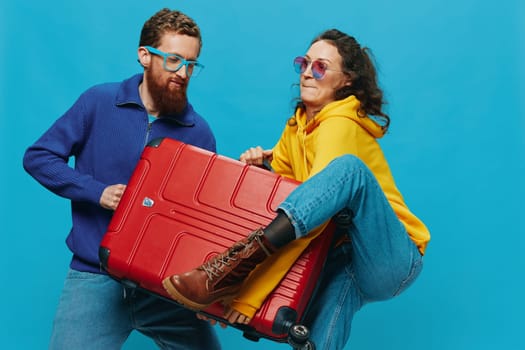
(318, 70)
(300, 64)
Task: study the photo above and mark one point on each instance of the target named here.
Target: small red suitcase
(183, 205)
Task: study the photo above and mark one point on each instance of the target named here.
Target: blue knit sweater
(105, 132)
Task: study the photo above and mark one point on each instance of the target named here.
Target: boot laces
(215, 267)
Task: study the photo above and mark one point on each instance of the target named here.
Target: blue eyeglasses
(173, 62)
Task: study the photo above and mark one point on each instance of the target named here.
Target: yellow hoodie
(303, 150)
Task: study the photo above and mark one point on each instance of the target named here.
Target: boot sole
(188, 303)
(181, 299)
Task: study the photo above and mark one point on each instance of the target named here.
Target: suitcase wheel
(298, 338)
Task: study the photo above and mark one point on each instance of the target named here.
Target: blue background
(453, 74)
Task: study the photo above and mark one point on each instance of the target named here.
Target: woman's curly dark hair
(359, 67)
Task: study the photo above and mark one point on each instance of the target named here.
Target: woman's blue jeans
(96, 312)
(377, 262)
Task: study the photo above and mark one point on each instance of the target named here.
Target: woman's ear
(144, 57)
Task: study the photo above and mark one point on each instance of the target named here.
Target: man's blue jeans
(96, 312)
(377, 262)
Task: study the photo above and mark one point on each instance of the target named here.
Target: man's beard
(168, 100)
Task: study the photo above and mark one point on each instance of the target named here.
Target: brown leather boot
(221, 277)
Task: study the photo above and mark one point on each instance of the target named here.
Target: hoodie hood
(347, 108)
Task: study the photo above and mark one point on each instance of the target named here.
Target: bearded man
(105, 132)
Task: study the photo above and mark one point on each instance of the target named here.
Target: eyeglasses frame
(310, 64)
(184, 62)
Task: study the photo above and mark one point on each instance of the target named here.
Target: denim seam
(415, 268)
(291, 214)
(81, 275)
(351, 275)
(341, 301)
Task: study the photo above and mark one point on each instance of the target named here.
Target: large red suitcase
(183, 205)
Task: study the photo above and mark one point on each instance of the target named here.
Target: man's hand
(111, 196)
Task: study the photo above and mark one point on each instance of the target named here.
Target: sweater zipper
(148, 131)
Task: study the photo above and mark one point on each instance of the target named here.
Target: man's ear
(144, 57)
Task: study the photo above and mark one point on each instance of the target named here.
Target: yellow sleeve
(281, 160)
